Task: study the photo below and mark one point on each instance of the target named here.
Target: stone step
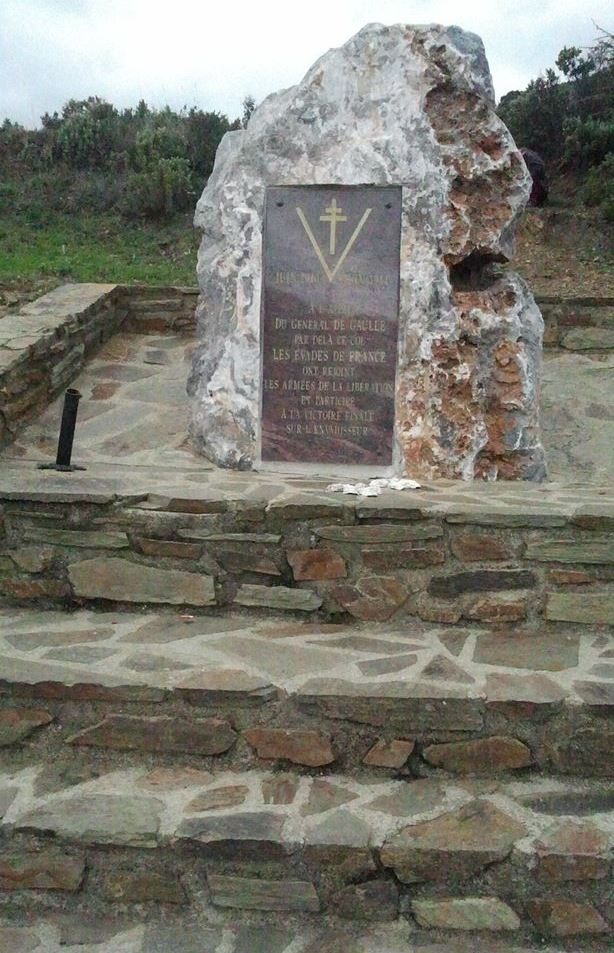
(152, 934)
(245, 689)
(521, 857)
(480, 555)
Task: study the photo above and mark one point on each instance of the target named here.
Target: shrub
(598, 188)
(163, 188)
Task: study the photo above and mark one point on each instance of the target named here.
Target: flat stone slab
(98, 819)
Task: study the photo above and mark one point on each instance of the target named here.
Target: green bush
(87, 134)
(163, 188)
(587, 142)
(598, 188)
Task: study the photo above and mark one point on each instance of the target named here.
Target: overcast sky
(212, 54)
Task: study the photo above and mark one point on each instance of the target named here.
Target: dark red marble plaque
(329, 325)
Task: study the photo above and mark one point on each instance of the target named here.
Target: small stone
(507, 690)
(340, 828)
(482, 756)
(600, 552)
(234, 831)
(596, 694)
(540, 651)
(572, 850)
(300, 747)
(467, 913)
(442, 669)
(455, 845)
(25, 641)
(393, 704)
(383, 666)
(47, 869)
(133, 886)
(229, 796)
(474, 547)
(26, 589)
(565, 917)
(414, 555)
(249, 561)
(454, 641)
(378, 532)
(372, 598)
(374, 900)
(316, 564)
(431, 610)
(594, 608)
(280, 789)
(278, 597)
(247, 893)
(77, 538)
(215, 686)
(169, 548)
(585, 751)
(207, 736)
(389, 754)
(481, 580)
(98, 819)
(169, 779)
(16, 724)
(496, 610)
(33, 558)
(324, 795)
(588, 339)
(570, 577)
(125, 581)
(307, 506)
(411, 799)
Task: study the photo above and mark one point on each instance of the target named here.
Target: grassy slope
(561, 249)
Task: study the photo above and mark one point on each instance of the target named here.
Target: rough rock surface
(396, 105)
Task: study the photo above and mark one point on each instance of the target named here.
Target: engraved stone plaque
(329, 323)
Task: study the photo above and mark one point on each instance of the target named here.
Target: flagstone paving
(133, 936)
(170, 651)
(134, 412)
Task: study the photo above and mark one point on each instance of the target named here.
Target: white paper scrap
(374, 487)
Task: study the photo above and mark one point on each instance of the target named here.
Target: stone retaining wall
(44, 346)
(157, 309)
(522, 568)
(578, 324)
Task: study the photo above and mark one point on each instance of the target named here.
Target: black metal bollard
(67, 434)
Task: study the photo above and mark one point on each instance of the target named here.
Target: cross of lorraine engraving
(334, 215)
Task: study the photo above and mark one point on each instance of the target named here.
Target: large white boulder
(402, 105)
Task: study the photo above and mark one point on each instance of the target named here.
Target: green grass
(44, 248)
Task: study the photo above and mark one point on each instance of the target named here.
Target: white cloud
(211, 55)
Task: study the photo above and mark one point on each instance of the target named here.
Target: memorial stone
(353, 313)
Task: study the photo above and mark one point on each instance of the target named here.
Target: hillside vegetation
(102, 194)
